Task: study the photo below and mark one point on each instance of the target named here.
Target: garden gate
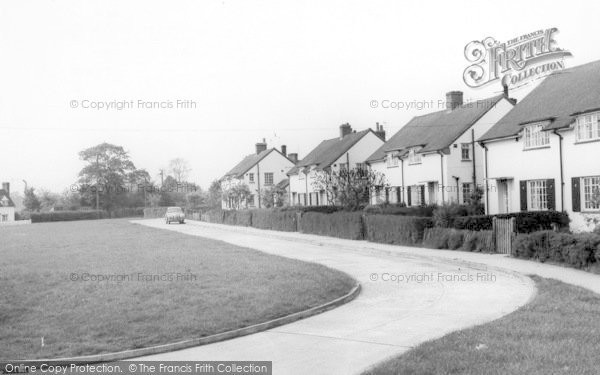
(504, 234)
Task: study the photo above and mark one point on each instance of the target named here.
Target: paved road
(386, 319)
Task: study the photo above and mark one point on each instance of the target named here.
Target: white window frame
(272, 178)
(391, 160)
(465, 147)
(416, 195)
(587, 127)
(467, 190)
(4, 218)
(537, 195)
(535, 137)
(414, 157)
(251, 178)
(588, 186)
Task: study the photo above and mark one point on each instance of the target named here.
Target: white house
(545, 153)
(434, 159)
(7, 207)
(259, 171)
(350, 150)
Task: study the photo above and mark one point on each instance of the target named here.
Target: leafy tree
(237, 196)
(107, 171)
(179, 168)
(273, 196)
(349, 187)
(215, 194)
(31, 201)
(49, 200)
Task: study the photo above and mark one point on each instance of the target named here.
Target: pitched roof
(558, 98)
(283, 183)
(3, 194)
(438, 130)
(328, 151)
(248, 162)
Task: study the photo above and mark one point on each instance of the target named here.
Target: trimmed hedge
(338, 224)
(213, 216)
(127, 212)
(241, 218)
(525, 222)
(284, 221)
(400, 209)
(392, 229)
(42, 217)
(580, 250)
(154, 212)
(320, 209)
(474, 223)
(456, 239)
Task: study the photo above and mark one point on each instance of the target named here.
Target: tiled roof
(3, 194)
(438, 130)
(328, 151)
(249, 162)
(558, 98)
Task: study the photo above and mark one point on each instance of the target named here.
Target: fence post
(494, 234)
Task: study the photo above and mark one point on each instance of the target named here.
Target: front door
(503, 197)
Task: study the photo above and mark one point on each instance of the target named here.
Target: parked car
(174, 214)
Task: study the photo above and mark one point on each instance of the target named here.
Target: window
(537, 195)
(391, 160)
(251, 177)
(4, 218)
(590, 193)
(416, 195)
(413, 157)
(467, 190)
(268, 178)
(251, 200)
(588, 127)
(465, 151)
(361, 166)
(535, 137)
(343, 167)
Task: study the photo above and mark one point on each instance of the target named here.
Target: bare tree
(179, 168)
(349, 188)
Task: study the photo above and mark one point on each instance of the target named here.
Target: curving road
(405, 300)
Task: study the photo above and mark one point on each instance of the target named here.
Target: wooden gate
(504, 234)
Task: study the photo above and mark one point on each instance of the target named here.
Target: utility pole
(162, 177)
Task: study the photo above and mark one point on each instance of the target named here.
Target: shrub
(392, 229)
(577, 250)
(40, 217)
(436, 238)
(474, 223)
(338, 224)
(127, 212)
(321, 209)
(444, 215)
(23, 215)
(154, 212)
(241, 217)
(213, 216)
(275, 220)
(400, 209)
(455, 239)
(527, 222)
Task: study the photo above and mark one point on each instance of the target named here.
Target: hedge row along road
(405, 300)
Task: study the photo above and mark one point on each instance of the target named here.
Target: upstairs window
(465, 151)
(413, 157)
(588, 127)
(268, 178)
(251, 177)
(343, 167)
(535, 137)
(391, 160)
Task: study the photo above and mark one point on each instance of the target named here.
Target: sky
(289, 72)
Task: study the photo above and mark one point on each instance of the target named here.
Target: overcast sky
(290, 72)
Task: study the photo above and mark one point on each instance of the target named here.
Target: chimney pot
(380, 132)
(261, 146)
(454, 99)
(345, 129)
(6, 187)
(284, 150)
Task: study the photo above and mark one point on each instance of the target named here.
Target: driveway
(406, 299)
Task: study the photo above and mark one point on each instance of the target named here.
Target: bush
(275, 220)
(41, 217)
(392, 229)
(578, 250)
(400, 209)
(444, 216)
(527, 222)
(436, 238)
(241, 217)
(154, 212)
(127, 212)
(321, 209)
(478, 241)
(23, 215)
(213, 216)
(474, 223)
(338, 224)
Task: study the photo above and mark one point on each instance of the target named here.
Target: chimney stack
(454, 99)
(505, 87)
(284, 150)
(379, 131)
(293, 157)
(345, 129)
(261, 146)
(6, 188)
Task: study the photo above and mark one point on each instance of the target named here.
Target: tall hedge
(580, 250)
(154, 212)
(457, 239)
(241, 218)
(284, 221)
(392, 229)
(525, 222)
(41, 217)
(338, 224)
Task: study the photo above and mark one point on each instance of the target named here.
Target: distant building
(348, 151)
(7, 206)
(434, 158)
(262, 170)
(545, 153)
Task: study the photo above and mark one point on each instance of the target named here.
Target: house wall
(507, 158)
(9, 211)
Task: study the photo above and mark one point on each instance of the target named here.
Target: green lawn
(221, 287)
(557, 333)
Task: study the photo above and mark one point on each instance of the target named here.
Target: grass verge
(557, 333)
(101, 286)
